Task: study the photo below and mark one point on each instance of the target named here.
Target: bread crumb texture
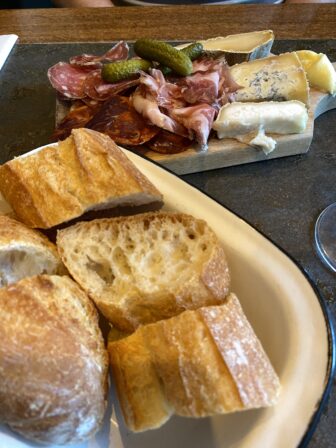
(147, 267)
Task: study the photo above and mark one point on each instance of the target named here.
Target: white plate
(287, 315)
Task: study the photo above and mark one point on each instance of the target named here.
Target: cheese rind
(235, 119)
(276, 78)
(240, 47)
(248, 122)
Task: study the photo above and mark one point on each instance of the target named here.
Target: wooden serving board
(229, 152)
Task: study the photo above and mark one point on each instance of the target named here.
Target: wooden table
(282, 197)
(295, 21)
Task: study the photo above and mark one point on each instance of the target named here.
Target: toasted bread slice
(147, 267)
(200, 363)
(25, 252)
(53, 363)
(85, 172)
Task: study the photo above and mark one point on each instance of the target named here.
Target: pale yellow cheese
(240, 47)
(275, 78)
(320, 71)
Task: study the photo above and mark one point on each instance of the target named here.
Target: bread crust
(133, 295)
(208, 361)
(87, 171)
(25, 252)
(13, 232)
(53, 363)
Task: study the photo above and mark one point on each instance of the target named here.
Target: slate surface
(282, 197)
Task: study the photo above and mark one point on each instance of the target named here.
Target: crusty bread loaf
(147, 267)
(53, 363)
(25, 252)
(85, 172)
(197, 364)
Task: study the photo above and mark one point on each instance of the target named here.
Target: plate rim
(328, 318)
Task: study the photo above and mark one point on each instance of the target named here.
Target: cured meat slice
(201, 87)
(117, 53)
(147, 106)
(96, 89)
(198, 119)
(76, 118)
(168, 143)
(118, 119)
(68, 80)
(167, 94)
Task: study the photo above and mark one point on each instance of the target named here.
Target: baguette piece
(53, 363)
(147, 267)
(25, 252)
(85, 172)
(200, 363)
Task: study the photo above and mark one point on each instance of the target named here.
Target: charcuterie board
(229, 152)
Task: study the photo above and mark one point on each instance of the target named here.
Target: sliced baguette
(25, 252)
(147, 267)
(53, 363)
(200, 363)
(85, 172)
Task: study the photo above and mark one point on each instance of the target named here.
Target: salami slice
(166, 142)
(117, 53)
(68, 80)
(118, 119)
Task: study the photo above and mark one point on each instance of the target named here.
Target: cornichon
(119, 70)
(194, 51)
(165, 54)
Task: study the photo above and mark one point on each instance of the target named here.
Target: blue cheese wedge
(275, 78)
(249, 122)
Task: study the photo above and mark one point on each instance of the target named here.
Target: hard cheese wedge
(248, 122)
(275, 78)
(320, 72)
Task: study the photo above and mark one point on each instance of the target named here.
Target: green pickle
(119, 70)
(165, 54)
(194, 51)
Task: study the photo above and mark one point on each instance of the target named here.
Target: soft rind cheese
(275, 78)
(240, 47)
(320, 71)
(248, 122)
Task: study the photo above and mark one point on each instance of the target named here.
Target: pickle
(119, 70)
(194, 51)
(165, 54)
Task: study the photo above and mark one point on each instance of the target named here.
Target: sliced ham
(97, 89)
(146, 105)
(117, 53)
(167, 94)
(198, 119)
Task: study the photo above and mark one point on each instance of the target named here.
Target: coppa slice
(144, 268)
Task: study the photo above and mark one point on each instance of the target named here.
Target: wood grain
(292, 21)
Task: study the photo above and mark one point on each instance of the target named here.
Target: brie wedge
(248, 122)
